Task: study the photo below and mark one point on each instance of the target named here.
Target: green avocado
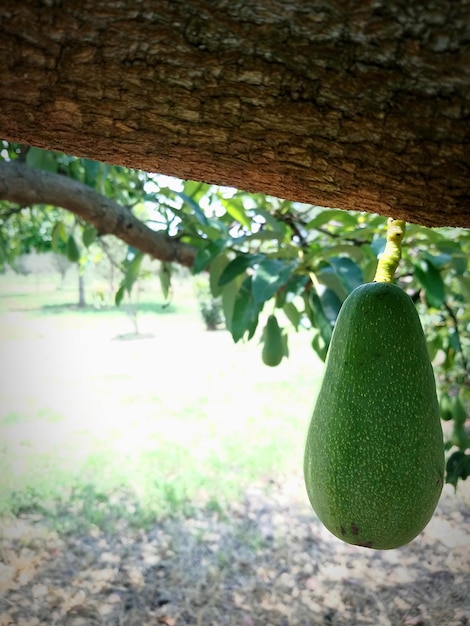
(273, 348)
(374, 456)
(445, 406)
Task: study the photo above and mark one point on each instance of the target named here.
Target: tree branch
(24, 185)
(356, 105)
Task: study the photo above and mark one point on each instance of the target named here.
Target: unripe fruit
(273, 348)
(374, 456)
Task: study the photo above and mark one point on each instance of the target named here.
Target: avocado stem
(391, 256)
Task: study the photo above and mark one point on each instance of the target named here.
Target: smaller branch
(390, 258)
(25, 185)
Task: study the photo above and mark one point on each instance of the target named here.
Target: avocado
(445, 406)
(273, 348)
(459, 414)
(374, 456)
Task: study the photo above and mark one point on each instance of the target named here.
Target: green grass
(93, 428)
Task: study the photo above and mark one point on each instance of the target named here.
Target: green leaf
(119, 295)
(239, 265)
(345, 250)
(458, 258)
(195, 189)
(328, 277)
(92, 171)
(265, 235)
(280, 229)
(438, 260)
(329, 215)
(369, 268)
(164, 274)
(132, 269)
(42, 159)
(206, 254)
(331, 305)
(268, 277)
(73, 253)
(454, 341)
(464, 286)
(296, 285)
(318, 317)
(433, 345)
(378, 245)
(457, 467)
(349, 272)
(234, 207)
(319, 345)
(285, 344)
(3, 251)
(459, 263)
(198, 212)
(229, 293)
(59, 235)
(245, 311)
(217, 266)
(293, 314)
(89, 235)
(431, 280)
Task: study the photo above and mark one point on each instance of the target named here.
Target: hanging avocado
(273, 346)
(374, 457)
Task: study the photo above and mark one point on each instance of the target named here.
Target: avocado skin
(374, 456)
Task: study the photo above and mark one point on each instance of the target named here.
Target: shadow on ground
(265, 560)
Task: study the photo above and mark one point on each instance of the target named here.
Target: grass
(93, 428)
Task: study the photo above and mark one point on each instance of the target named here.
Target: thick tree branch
(358, 105)
(26, 186)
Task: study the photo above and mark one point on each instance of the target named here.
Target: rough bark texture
(26, 186)
(359, 105)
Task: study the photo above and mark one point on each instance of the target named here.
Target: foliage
(265, 256)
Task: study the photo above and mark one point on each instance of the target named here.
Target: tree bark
(358, 105)
(81, 291)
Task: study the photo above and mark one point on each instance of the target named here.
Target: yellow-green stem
(391, 256)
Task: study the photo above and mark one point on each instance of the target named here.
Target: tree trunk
(81, 291)
(359, 105)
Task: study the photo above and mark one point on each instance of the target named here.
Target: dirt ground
(265, 561)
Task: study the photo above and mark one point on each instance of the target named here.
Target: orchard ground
(156, 479)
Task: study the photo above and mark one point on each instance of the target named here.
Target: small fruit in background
(274, 343)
